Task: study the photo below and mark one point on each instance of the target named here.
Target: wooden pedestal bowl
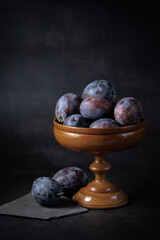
(99, 194)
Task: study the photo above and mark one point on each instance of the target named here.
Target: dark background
(48, 48)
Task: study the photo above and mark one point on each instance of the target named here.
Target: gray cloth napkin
(26, 206)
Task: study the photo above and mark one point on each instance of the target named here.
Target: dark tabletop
(48, 48)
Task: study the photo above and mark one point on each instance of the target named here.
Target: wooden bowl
(100, 193)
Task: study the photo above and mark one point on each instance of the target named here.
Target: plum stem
(59, 194)
(60, 119)
(73, 119)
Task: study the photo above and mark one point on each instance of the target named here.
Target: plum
(104, 123)
(71, 180)
(46, 191)
(128, 111)
(94, 108)
(76, 120)
(67, 104)
(99, 88)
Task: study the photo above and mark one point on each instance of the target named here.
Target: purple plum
(94, 108)
(128, 111)
(71, 180)
(46, 191)
(76, 120)
(68, 104)
(104, 123)
(99, 88)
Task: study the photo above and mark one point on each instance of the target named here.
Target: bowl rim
(100, 131)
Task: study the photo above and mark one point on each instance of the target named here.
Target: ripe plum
(99, 88)
(46, 191)
(128, 111)
(67, 104)
(71, 180)
(104, 123)
(76, 120)
(94, 108)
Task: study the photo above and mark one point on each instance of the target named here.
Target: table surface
(136, 177)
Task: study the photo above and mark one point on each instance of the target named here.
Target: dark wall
(48, 48)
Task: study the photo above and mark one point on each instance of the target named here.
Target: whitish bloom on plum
(46, 191)
(94, 108)
(67, 104)
(71, 180)
(100, 88)
(128, 111)
(104, 123)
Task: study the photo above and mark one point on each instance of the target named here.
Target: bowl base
(93, 200)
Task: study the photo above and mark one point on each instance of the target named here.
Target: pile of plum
(97, 108)
(67, 181)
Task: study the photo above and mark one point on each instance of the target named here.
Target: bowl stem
(99, 167)
(100, 193)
